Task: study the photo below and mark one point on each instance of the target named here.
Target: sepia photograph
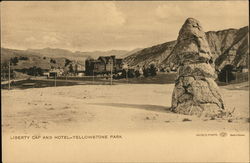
(125, 81)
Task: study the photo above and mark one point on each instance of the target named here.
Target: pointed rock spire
(195, 92)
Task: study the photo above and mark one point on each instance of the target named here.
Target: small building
(5, 72)
(46, 74)
(245, 69)
(80, 74)
(54, 72)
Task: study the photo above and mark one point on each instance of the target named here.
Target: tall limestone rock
(195, 92)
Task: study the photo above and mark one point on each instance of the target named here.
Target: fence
(239, 78)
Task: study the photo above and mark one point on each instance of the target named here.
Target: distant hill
(229, 46)
(23, 59)
(55, 53)
(53, 57)
(78, 55)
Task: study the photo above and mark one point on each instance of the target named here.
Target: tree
(131, 73)
(152, 70)
(137, 73)
(23, 58)
(67, 62)
(76, 68)
(14, 61)
(145, 71)
(226, 74)
(35, 71)
(53, 61)
(71, 70)
(149, 71)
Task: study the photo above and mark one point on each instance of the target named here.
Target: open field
(120, 107)
(42, 82)
(160, 78)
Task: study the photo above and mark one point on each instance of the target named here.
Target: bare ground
(126, 107)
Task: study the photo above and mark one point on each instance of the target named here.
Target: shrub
(14, 61)
(23, 58)
(52, 61)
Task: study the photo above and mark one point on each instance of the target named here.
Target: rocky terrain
(233, 49)
(229, 46)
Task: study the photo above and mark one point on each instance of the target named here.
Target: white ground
(97, 108)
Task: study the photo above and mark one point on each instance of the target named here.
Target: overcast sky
(89, 26)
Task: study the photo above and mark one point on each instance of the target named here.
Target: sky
(107, 25)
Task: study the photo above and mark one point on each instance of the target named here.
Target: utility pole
(93, 77)
(226, 76)
(125, 67)
(127, 75)
(236, 76)
(9, 76)
(3, 72)
(55, 78)
(111, 73)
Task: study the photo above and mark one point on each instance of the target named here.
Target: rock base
(196, 96)
(202, 110)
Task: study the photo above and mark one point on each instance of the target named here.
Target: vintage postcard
(125, 81)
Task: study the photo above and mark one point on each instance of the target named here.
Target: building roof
(105, 59)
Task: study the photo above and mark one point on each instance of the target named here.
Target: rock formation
(195, 92)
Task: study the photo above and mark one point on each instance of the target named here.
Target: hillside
(154, 54)
(234, 47)
(229, 46)
(48, 58)
(24, 60)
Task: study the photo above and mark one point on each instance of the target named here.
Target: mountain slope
(149, 55)
(237, 52)
(228, 46)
